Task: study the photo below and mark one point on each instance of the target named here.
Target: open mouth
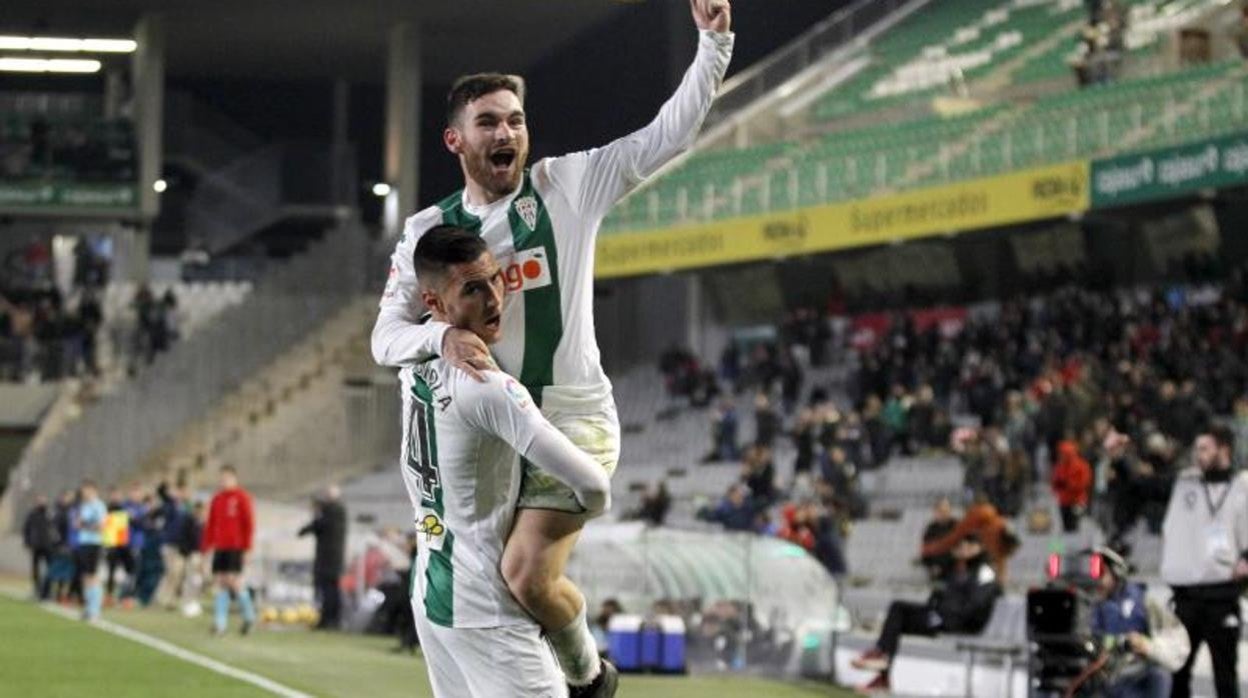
(503, 158)
(493, 321)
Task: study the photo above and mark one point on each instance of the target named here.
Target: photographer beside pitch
(1205, 557)
(541, 225)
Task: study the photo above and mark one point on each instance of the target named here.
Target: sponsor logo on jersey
(433, 528)
(516, 393)
(528, 270)
(526, 206)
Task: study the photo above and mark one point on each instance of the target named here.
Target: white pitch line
(184, 654)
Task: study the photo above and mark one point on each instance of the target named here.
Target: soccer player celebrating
(463, 439)
(228, 533)
(541, 226)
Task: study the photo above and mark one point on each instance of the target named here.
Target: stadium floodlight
(160, 186)
(67, 45)
(48, 65)
(381, 189)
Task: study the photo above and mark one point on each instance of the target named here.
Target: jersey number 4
(422, 451)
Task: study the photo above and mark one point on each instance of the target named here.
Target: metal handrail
(828, 35)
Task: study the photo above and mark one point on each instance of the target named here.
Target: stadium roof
(297, 39)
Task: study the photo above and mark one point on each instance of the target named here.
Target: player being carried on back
(463, 440)
(541, 226)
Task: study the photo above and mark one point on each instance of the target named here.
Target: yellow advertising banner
(1045, 192)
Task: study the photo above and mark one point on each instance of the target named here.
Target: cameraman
(1142, 640)
(1204, 557)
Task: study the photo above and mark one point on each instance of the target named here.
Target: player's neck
(478, 195)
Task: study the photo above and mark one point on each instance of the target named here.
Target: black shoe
(246, 629)
(603, 686)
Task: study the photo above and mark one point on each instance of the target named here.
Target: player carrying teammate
(541, 226)
(462, 444)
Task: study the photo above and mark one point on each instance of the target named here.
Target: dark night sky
(602, 85)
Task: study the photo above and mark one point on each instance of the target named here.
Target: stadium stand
(127, 429)
(882, 131)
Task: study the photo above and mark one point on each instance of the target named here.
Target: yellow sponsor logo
(431, 526)
(974, 204)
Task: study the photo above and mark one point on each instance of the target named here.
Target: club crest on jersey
(528, 270)
(526, 206)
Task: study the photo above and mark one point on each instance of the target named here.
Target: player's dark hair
(229, 469)
(443, 247)
(469, 88)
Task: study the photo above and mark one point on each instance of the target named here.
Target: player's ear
(451, 137)
(432, 301)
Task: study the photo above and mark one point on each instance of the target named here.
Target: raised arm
(399, 337)
(503, 407)
(597, 178)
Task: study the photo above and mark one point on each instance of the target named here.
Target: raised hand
(715, 15)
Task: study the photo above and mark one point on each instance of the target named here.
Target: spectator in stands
(991, 529)
(1141, 639)
(758, 472)
(1239, 427)
(228, 535)
(723, 433)
(655, 503)
(329, 527)
(40, 538)
(805, 434)
(735, 511)
(766, 421)
(921, 421)
(962, 604)
(895, 415)
(1072, 478)
(90, 319)
(941, 525)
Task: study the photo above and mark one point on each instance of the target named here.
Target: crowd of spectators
(47, 334)
(1093, 395)
(1096, 394)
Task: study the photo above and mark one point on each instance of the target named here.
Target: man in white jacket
(1204, 557)
(541, 225)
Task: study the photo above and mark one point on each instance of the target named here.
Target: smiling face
(470, 297)
(491, 138)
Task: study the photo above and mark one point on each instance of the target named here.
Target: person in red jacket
(228, 534)
(1072, 476)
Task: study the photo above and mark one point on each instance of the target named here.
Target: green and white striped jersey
(463, 442)
(543, 236)
(461, 467)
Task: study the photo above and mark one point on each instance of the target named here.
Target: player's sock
(244, 602)
(94, 597)
(576, 650)
(220, 609)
